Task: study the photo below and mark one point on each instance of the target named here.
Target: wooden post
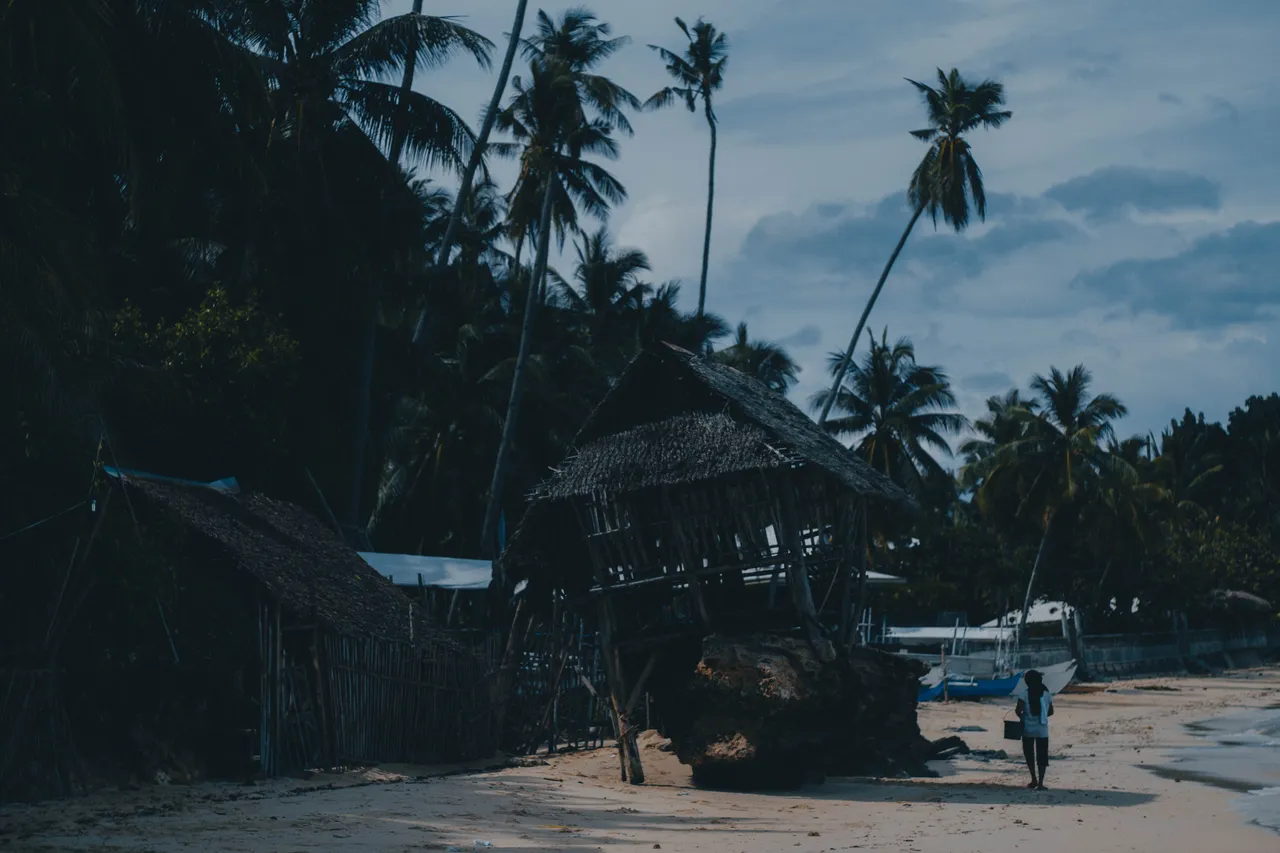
(847, 565)
(798, 575)
(628, 754)
(864, 545)
(327, 754)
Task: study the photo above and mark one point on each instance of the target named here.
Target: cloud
(1169, 98)
(806, 336)
(1227, 277)
(1108, 192)
(990, 382)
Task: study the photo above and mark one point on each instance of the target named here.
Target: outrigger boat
(1056, 679)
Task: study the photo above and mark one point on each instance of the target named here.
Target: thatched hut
(226, 632)
(699, 502)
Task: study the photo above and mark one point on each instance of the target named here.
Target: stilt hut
(698, 501)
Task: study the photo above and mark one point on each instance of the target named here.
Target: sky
(1133, 220)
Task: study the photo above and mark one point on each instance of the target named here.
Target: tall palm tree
(562, 115)
(898, 411)
(478, 151)
(947, 179)
(1055, 459)
(699, 72)
(768, 362)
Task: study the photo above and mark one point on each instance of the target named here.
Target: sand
(1102, 798)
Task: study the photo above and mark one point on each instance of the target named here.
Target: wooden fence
(423, 702)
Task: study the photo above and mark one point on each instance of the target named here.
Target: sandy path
(1101, 799)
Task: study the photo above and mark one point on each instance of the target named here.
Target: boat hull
(983, 688)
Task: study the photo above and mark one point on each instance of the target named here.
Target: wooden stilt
(628, 754)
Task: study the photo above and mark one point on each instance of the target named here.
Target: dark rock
(765, 712)
(967, 729)
(947, 747)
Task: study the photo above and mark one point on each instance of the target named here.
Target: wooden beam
(628, 758)
(637, 690)
(798, 574)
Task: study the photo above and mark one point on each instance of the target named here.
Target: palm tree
(562, 115)
(477, 151)
(1003, 424)
(700, 71)
(327, 64)
(899, 412)
(762, 360)
(606, 295)
(1054, 460)
(947, 178)
(662, 321)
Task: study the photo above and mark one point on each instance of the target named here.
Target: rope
(43, 521)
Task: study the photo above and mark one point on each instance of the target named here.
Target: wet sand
(1103, 797)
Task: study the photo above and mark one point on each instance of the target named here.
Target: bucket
(1013, 729)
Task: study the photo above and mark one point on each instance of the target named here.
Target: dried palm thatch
(666, 382)
(680, 449)
(302, 563)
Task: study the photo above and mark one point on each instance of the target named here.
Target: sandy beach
(1103, 797)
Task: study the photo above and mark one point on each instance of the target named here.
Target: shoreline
(1101, 797)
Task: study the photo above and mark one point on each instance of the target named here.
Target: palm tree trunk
(406, 85)
(477, 153)
(862, 321)
(1031, 586)
(711, 196)
(487, 544)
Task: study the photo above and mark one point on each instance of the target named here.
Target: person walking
(1035, 711)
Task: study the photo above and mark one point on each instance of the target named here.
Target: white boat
(1056, 678)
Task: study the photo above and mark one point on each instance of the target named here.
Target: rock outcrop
(764, 712)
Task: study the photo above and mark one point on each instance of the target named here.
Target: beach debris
(966, 729)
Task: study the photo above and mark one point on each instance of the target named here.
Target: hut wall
(718, 551)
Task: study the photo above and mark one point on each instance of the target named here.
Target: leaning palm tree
(946, 181)
(477, 151)
(899, 413)
(762, 360)
(700, 71)
(561, 116)
(1053, 460)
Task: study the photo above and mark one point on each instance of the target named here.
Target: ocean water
(1241, 754)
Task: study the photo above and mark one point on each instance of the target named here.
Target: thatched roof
(673, 418)
(300, 561)
(677, 450)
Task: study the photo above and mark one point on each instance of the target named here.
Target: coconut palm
(327, 64)
(947, 182)
(1003, 423)
(898, 412)
(478, 150)
(699, 72)
(1054, 460)
(762, 360)
(605, 296)
(662, 321)
(562, 115)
